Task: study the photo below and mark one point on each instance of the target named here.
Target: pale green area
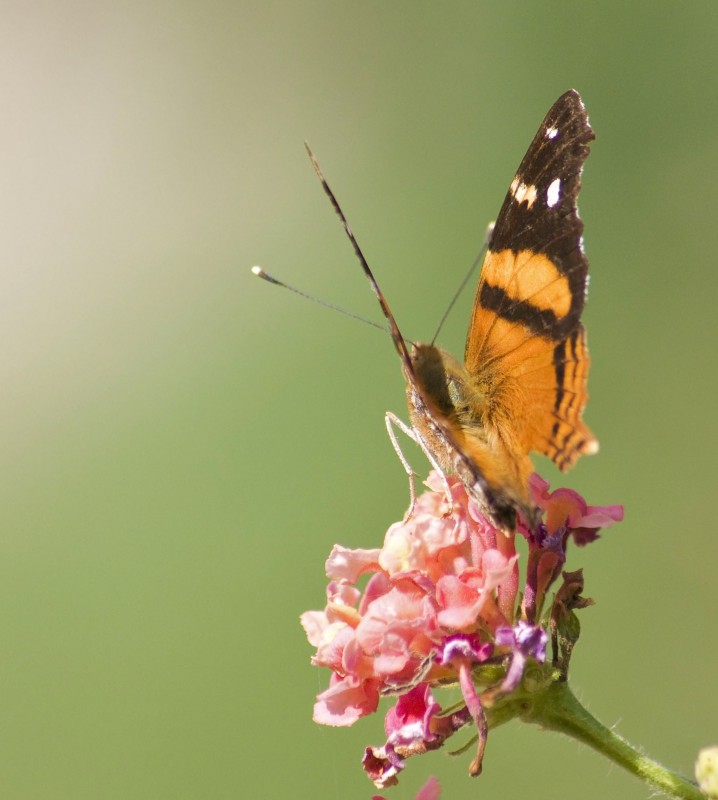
(182, 445)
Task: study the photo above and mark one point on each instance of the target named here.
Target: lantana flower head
(442, 604)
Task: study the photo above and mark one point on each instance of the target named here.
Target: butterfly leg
(392, 421)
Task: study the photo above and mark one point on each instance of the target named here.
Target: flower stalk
(557, 709)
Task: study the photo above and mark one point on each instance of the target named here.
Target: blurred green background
(183, 444)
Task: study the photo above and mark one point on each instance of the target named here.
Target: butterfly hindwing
(526, 346)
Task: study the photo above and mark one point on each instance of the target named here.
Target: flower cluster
(443, 604)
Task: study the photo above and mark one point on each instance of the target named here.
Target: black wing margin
(539, 213)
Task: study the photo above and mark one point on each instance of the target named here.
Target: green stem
(557, 709)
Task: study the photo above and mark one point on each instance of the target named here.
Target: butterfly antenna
(474, 264)
(265, 276)
(396, 336)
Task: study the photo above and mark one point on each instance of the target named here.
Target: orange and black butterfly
(522, 384)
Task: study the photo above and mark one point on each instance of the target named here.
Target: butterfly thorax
(454, 412)
(449, 385)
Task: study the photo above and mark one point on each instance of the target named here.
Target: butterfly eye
(459, 394)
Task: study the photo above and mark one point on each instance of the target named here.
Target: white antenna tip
(265, 276)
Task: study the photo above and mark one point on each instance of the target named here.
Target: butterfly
(522, 384)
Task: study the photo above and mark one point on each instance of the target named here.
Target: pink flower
(436, 574)
(524, 641)
(429, 791)
(465, 597)
(412, 726)
(567, 516)
(397, 630)
(410, 719)
(566, 508)
(440, 607)
(346, 700)
(348, 565)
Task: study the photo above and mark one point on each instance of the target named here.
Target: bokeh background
(182, 444)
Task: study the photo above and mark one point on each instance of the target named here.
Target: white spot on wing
(553, 192)
(523, 193)
(551, 133)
